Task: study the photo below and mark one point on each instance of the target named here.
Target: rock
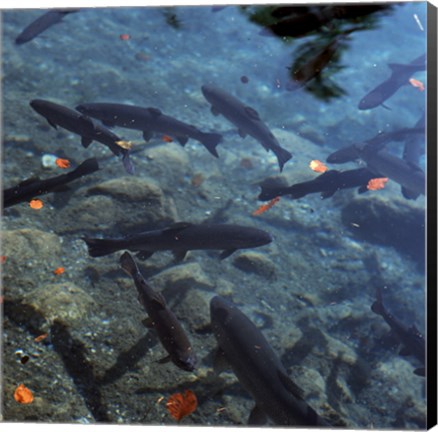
(131, 204)
(194, 310)
(31, 255)
(64, 301)
(182, 277)
(254, 262)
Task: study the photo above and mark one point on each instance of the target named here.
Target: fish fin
(405, 351)
(179, 255)
(128, 264)
(164, 360)
(290, 385)
(241, 133)
(147, 135)
(363, 189)
(144, 255)
(86, 141)
(385, 106)
(328, 194)
(155, 112)
(226, 253)
(377, 307)
(257, 417)
(214, 111)
(52, 124)
(100, 247)
(252, 113)
(182, 140)
(421, 371)
(148, 322)
(282, 156)
(210, 141)
(127, 163)
(158, 299)
(220, 362)
(408, 194)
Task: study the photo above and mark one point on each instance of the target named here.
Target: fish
(401, 73)
(246, 119)
(33, 187)
(327, 184)
(408, 175)
(243, 347)
(169, 330)
(182, 237)
(41, 24)
(73, 121)
(150, 121)
(378, 142)
(414, 148)
(410, 337)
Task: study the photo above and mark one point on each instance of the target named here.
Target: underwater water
(73, 326)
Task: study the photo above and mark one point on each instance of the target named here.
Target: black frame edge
(431, 241)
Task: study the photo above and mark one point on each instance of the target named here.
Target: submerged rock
(64, 301)
(182, 277)
(254, 262)
(30, 254)
(130, 204)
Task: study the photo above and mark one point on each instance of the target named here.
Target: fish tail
(282, 156)
(101, 247)
(127, 163)
(128, 264)
(210, 141)
(87, 167)
(377, 307)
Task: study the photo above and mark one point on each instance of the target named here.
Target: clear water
(310, 290)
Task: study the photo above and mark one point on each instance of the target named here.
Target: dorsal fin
(252, 113)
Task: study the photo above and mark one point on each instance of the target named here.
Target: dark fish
(150, 121)
(414, 145)
(246, 119)
(351, 153)
(408, 175)
(162, 319)
(73, 121)
(412, 340)
(243, 347)
(182, 237)
(31, 188)
(327, 184)
(41, 24)
(399, 77)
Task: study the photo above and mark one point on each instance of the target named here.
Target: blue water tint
(310, 290)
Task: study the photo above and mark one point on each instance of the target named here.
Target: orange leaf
(23, 395)
(36, 204)
(317, 166)
(41, 337)
(377, 183)
(58, 271)
(180, 405)
(167, 138)
(63, 163)
(3, 259)
(418, 84)
(265, 207)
